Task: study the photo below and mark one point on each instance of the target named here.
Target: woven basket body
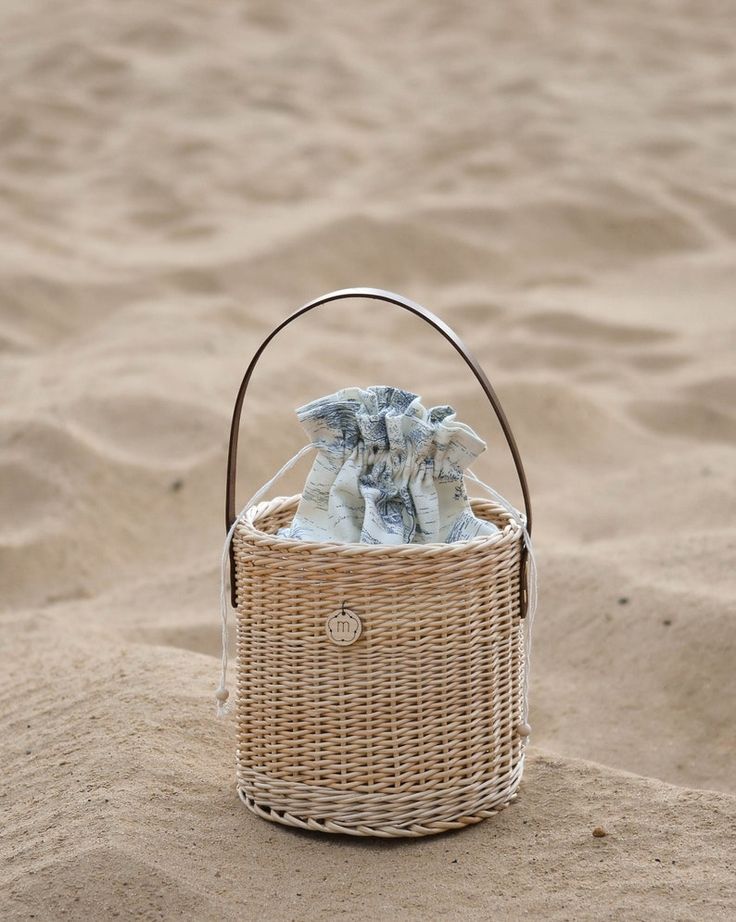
(413, 728)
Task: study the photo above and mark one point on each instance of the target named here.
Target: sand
(557, 180)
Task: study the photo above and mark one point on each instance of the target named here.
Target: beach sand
(556, 180)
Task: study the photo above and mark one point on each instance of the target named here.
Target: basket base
(384, 832)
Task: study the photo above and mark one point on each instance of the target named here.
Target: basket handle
(390, 297)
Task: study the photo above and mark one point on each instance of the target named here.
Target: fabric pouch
(387, 471)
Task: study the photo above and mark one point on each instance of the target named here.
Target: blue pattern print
(388, 471)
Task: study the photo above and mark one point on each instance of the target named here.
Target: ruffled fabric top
(388, 471)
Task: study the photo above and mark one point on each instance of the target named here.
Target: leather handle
(435, 322)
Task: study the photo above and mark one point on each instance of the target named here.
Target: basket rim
(247, 528)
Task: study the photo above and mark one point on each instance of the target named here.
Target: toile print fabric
(387, 471)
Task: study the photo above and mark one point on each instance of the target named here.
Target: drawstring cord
(222, 694)
(520, 520)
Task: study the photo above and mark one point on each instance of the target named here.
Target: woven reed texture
(411, 730)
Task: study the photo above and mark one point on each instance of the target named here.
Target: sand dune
(554, 179)
(144, 822)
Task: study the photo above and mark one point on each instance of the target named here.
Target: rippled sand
(557, 180)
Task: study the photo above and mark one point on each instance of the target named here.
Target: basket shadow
(365, 842)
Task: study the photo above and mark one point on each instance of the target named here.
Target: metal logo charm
(344, 627)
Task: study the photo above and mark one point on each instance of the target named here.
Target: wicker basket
(380, 689)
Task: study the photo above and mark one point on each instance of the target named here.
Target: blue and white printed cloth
(388, 471)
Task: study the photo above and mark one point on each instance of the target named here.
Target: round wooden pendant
(344, 627)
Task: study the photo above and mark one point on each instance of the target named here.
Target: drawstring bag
(388, 471)
(383, 618)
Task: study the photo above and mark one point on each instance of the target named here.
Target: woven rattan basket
(381, 690)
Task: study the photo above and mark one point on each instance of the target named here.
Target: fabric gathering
(388, 471)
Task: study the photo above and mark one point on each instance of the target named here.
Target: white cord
(222, 694)
(520, 519)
